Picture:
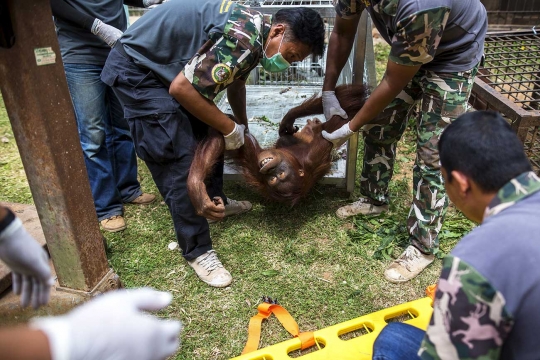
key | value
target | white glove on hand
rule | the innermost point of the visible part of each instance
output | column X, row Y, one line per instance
column 105, row 32
column 340, row 136
column 113, row 327
column 235, row 139
column 152, row 3
column 331, row 105
column 29, row 264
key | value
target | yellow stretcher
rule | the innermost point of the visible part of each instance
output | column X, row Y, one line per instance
column 332, row 344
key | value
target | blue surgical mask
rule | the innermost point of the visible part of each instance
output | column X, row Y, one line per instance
column 277, row 62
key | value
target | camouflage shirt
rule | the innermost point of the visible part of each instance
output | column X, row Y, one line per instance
column 442, row 35
column 212, row 42
column 232, row 54
column 486, row 301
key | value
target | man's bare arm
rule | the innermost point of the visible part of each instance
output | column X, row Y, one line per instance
column 339, row 45
column 394, row 81
column 236, row 94
column 200, row 107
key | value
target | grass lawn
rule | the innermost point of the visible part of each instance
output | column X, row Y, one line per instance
column 321, row 269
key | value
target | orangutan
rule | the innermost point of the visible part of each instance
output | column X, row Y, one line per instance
column 285, row 172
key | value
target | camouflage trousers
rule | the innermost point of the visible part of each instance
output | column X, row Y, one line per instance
column 442, row 97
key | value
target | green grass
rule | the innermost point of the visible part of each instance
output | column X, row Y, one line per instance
column 381, row 57
column 320, row 268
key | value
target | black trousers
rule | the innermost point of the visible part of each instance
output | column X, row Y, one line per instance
column 165, row 137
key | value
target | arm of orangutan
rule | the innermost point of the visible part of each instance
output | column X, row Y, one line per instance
column 200, row 107
column 206, row 155
column 236, row 94
column 351, row 97
column 309, row 107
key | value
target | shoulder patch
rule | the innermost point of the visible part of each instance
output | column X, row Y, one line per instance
column 221, row 73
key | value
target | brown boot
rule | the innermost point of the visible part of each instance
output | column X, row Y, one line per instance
column 143, row 199
column 114, row 223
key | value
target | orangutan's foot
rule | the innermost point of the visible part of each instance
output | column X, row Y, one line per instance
column 234, row 207
column 210, row 270
column 364, row 206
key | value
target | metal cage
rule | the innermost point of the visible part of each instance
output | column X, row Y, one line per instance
column 509, row 82
column 270, row 96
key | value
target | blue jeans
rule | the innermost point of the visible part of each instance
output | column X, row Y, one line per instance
column 106, row 142
column 398, row 341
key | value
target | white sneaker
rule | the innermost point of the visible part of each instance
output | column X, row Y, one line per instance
column 408, row 265
column 362, row 206
column 234, row 207
column 210, row 270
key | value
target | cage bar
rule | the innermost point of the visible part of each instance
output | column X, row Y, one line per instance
column 509, row 82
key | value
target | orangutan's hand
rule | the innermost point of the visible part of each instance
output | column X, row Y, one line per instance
column 211, row 209
column 286, row 127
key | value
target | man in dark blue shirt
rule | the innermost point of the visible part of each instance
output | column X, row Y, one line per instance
column 86, row 31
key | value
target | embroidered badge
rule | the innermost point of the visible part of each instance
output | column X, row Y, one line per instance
column 221, row 73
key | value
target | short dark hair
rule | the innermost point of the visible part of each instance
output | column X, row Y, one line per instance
column 483, row 146
column 306, row 24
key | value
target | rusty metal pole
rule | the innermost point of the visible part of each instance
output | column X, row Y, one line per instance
column 363, row 72
column 38, row 103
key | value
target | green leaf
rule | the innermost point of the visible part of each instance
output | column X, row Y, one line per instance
column 270, row 272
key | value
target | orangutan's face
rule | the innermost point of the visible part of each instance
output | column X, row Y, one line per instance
column 282, row 173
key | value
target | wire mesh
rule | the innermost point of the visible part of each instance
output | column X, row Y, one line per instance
column 309, row 72
column 512, row 68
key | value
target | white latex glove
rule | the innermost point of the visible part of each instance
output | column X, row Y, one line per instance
column 331, row 105
column 29, row 264
column 152, row 3
column 105, row 32
column 235, row 139
column 113, row 327
column 340, row 136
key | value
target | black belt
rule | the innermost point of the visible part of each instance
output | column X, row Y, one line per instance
column 120, row 48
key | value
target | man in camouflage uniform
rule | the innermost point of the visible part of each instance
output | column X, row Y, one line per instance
column 436, row 46
column 486, row 303
column 166, row 70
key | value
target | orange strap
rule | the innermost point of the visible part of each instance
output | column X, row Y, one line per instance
column 265, row 310
column 431, row 290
